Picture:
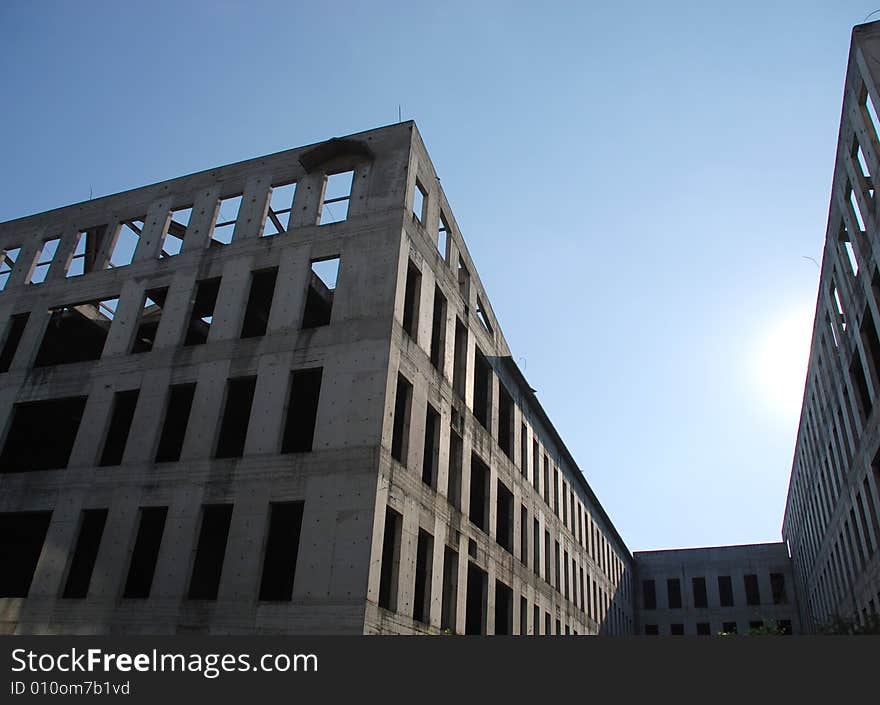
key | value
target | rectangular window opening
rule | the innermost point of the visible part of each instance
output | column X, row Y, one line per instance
column 411, row 298
column 76, row 267
column 482, row 389
column 302, row 410
column 700, row 595
column 202, row 314
column 177, row 409
column 464, row 281
column 505, row 421
column 282, row 549
column 41, row 434
column 149, row 319
column 14, row 331
column 390, row 571
column 725, row 591
column 145, row 553
column 424, row 570
column 503, row 609
column 124, row 404
column 443, row 237
column 479, row 493
column 477, row 599
column 524, row 535
column 420, row 202
column 400, row 428
column 204, row 583
column 236, row 416
column 459, row 365
column 280, row 208
column 431, row 456
column 456, row 460
column 126, row 242
column 172, row 240
column 319, row 297
column 483, row 317
column 224, row 226
column 673, row 593
column 450, row 590
column 504, row 517
column 259, row 304
column 44, row 260
column 649, row 595
column 76, row 333
column 7, row 264
column 337, row 197
column 438, row 331
column 21, row 542
column 85, row 553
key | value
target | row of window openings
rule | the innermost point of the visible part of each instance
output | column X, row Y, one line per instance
column 334, row 209
column 571, row 508
column 22, row 536
column 725, row 591
column 77, row 333
column 477, row 585
column 783, row 626
column 42, row 433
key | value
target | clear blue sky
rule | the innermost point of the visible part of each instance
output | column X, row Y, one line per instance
column 639, row 185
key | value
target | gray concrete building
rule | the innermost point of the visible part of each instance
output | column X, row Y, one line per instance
column 273, row 397
column 831, row 516
column 706, row 591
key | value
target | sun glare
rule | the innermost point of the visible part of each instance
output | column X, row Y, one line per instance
column 779, row 362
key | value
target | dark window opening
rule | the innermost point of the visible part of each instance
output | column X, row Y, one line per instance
column 180, row 399
column 476, row 600
column 524, row 535
column 464, row 281
column 41, row 434
column 76, row 333
column 259, row 304
column 85, row 553
column 503, row 608
column 725, row 591
column 145, row 553
column 729, row 627
column 224, row 225
column 202, row 314
column 483, row 318
column 673, row 593
column 523, row 615
column 442, row 236
column 438, row 331
column 337, row 198
column 504, row 518
column 479, row 498
column 21, row 542
column 783, row 626
column 753, row 595
column 777, row 586
column 124, row 404
column 703, row 629
column 431, row 457
column 456, row 461
column 424, row 571
column 548, row 629
column 482, row 389
column 280, row 207
column 459, row 366
column 505, row 422
column 400, row 428
column 547, row 567
column 524, row 451
column 557, row 568
column 14, row 331
column 411, row 301
column 323, row 277
column 210, row 552
column 863, row 396
column 282, row 548
column 302, row 410
column 388, row 577
column 676, row 629
column 652, row 630
column 236, row 415
column 536, row 547
column 699, row 588
column 450, row 589
column 649, row 595
column 148, row 323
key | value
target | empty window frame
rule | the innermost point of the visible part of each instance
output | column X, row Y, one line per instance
column 424, row 571
column 41, row 434
column 449, row 598
column 464, row 281
column 698, row 585
column 505, row 421
column 411, row 297
column 478, row 511
column 21, row 542
column 673, row 593
column 400, row 426
column 14, row 331
column 728, row 627
column 177, row 410
column 390, row 570
column 321, row 290
column 443, row 237
column 504, row 517
column 202, row 313
column 503, row 609
column 259, row 303
column 725, row 591
column 236, row 416
column 337, row 198
column 676, row 629
column 456, row 460
column 85, row 553
column 438, row 331
column 483, row 317
column 302, row 410
column 420, row 202
column 860, row 384
column 280, row 207
column 126, row 239
column 482, row 389
column 753, row 594
column 204, row 582
column 431, row 455
column 777, row 586
column 76, row 333
column 76, row 267
column 44, row 260
column 224, row 225
column 121, row 416
column 703, row 629
column 7, row 264
column 460, row 352
column 172, row 238
column 282, row 548
column 649, row 595
column 536, row 547
column 477, row 598
column 145, row 553
column 149, row 319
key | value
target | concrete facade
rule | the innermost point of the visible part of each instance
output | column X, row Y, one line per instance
column 273, row 397
column 706, row 591
column 831, row 515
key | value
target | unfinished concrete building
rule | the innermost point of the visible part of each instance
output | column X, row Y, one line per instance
column 723, row 589
column 274, row 397
column 831, row 515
